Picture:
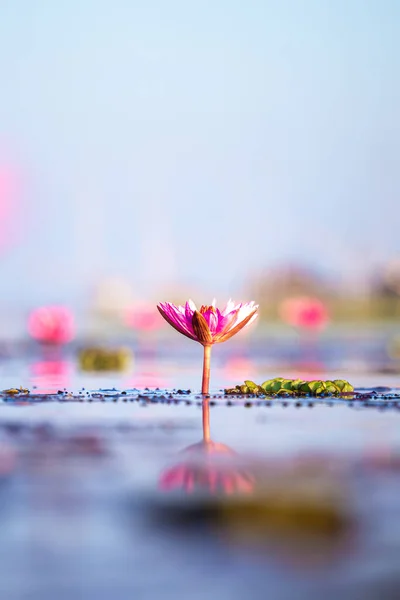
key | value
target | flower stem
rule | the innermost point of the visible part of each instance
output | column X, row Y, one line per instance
column 206, row 370
column 206, row 422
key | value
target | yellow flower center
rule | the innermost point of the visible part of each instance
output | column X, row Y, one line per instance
column 204, row 309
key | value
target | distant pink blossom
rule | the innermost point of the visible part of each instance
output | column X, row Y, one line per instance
column 305, row 312
column 52, row 324
column 209, row 325
column 9, row 197
column 142, row 317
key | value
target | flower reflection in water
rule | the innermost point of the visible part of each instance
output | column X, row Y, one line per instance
column 294, row 508
column 208, row 467
column 51, row 374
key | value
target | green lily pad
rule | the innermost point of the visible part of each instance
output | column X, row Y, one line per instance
column 343, row 386
column 285, row 392
column 305, row 388
column 331, row 387
column 293, row 387
column 286, row 384
column 296, row 384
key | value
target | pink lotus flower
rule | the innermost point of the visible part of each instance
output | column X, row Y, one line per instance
column 209, row 325
column 51, row 324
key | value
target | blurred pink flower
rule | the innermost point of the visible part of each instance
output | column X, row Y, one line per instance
column 209, row 325
column 52, row 324
column 142, row 317
column 305, row 312
column 9, row 197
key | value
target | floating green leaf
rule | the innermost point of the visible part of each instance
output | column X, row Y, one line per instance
column 286, row 384
column 280, row 386
column 251, row 385
column 296, row 384
column 331, row 387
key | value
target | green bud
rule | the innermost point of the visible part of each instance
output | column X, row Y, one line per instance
column 244, row 389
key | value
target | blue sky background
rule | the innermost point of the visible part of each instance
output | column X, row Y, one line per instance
column 190, row 142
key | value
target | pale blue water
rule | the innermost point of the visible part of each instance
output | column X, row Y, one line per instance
column 82, row 514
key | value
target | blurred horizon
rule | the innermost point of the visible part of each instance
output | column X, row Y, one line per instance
column 191, row 149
